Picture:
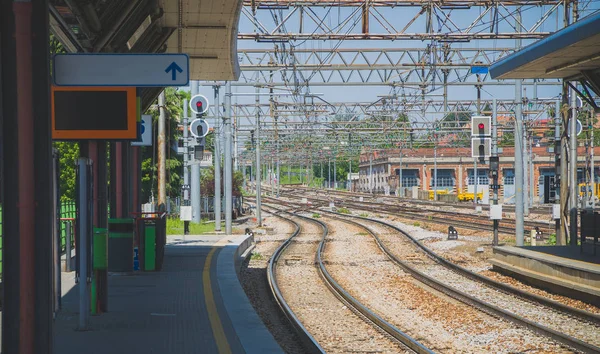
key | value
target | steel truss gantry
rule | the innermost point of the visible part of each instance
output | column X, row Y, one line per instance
column 422, row 20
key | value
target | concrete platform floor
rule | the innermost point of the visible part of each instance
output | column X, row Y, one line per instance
column 163, row 312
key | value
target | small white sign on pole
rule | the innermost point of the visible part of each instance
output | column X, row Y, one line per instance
column 185, row 213
column 146, row 131
column 496, row 212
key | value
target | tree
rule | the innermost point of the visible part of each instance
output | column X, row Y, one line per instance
column 68, row 153
column 174, row 110
column 207, row 182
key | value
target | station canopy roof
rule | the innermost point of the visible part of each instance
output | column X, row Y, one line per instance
column 208, row 35
column 562, row 55
column 206, row 30
column 572, row 54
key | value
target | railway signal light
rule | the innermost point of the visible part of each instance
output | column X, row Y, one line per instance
column 481, row 142
column 481, row 147
column 481, row 126
column 199, row 105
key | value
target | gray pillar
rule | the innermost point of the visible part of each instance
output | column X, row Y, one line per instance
column 371, row 173
column 496, row 172
column 228, row 159
column 435, row 170
column 217, row 159
column 519, row 180
column 350, row 174
column 400, row 191
column 162, row 151
column 557, row 168
column 334, row 174
column 573, row 170
column 82, row 247
column 592, row 203
column 195, row 191
column 258, row 215
column 531, row 174
column 195, row 174
column 526, row 201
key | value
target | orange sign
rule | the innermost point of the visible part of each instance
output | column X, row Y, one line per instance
column 90, row 113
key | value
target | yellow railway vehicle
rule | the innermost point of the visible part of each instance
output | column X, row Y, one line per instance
column 585, row 186
column 465, row 196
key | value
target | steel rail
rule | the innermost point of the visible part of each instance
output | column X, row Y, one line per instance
column 309, row 342
column 342, row 294
column 475, row 302
column 482, row 305
column 508, row 289
column 568, row 310
column 417, row 214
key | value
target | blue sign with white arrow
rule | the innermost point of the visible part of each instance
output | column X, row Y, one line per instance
column 121, row 69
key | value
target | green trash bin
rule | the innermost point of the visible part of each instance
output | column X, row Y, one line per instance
column 99, row 262
column 149, row 245
column 120, row 245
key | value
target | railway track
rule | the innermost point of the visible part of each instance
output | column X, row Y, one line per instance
column 540, row 209
column 467, row 221
column 516, row 300
column 360, row 310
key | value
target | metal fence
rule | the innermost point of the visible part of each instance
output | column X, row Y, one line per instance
column 207, row 205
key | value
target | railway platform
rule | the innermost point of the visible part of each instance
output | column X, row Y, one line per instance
column 560, row 269
column 195, row 304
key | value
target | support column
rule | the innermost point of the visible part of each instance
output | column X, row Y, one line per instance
column 195, row 190
column 557, row 169
column 26, row 178
column 258, row 179
column 162, row 174
column 228, row 160
column 217, row 159
column 519, row 177
column 573, row 183
column 101, row 205
column 118, row 162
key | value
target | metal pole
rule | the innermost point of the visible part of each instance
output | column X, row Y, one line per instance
column 195, row 174
column 162, row 173
column 228, row 160
column 258, row 216
column 435, row 169
column 531, row 173
column 321, row 163
column 350, row 175
column 401, row 191
column 82, row 247
column 519, row 216
column 217, row 146
column 475, row 174
column 526, row 200
column 573, row 183
column 592, row 173
column 186, row 172
column 68, row 242
column 329, row 177
column 278, row 176
column 334, row 174
column 495, row 175
column 371, row 173
column 557, row 163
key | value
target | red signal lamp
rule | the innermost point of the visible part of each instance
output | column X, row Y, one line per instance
column 199, row 105
column 481, row 126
